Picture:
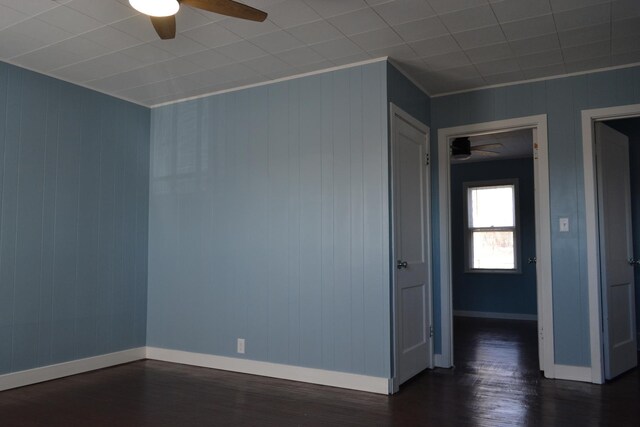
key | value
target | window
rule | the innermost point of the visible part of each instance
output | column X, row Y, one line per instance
column 492, row 226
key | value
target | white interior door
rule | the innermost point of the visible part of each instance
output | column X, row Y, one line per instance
column 411, row 246
column 616, row 250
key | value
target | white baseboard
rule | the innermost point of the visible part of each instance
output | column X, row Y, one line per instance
column 52, row 372
column 573, row 373
column 287, row 372
column 439, row 361
column 491, row 315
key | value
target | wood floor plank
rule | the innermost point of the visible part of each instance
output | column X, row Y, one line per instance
column 496, row 382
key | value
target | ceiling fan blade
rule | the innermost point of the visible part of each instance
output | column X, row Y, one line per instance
column 485, row 152
column 165, row 26
column 483, row 146
column 229, row 8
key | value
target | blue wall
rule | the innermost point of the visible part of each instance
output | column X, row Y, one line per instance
column 631, row 128
column 269, row 221
column 491, row 292
column 73, row 221
column 562, row 100
column 407, row 96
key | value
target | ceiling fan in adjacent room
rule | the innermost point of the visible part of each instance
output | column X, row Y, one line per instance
column 461, row 149
column 163, row 12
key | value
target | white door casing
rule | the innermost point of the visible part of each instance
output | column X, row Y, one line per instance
column 543, row 235
column 616, row 250
column 411, row 250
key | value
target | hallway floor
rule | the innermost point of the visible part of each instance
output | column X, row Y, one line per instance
column 495, row 383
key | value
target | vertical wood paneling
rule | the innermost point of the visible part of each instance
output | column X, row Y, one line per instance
column 296, row 209
column 66, row 257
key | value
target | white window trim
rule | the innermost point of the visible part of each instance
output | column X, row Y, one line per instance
column 516, row 228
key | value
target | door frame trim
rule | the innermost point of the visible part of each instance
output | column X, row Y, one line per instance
column 395, row 111
column 538, row 123
column 589, row 117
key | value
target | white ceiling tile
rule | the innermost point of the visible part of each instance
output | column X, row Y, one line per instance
column 468, row 19
column 30, row 7
column 301, row 56
column 111, row 38
column 61, row 54
column 328, row 8
column 176, row 67
column 517, row 10
column 241, row 51
column 315, row 32
column 534, row 45
column 446, row 6
column 276, row 42
column 70, row 20
column 624, row 45
column 625, row 58
column 623, row 9
column 291, row 13
column 401, row 11
column 105, row 11
column 14, row 42
column 480, row 37
column 318, row 66
column 41, row 31
column 490, row 53
column 498, row 67
column 377, row 39
column 583, row 17
column 236, row 72
column 625, row 28
column 421, row 29
column 528, row 28
column 399, row 52
column 352, row 59
column 550, row 70
column 435, row 46
column 448, row 60
column 266, row 64
column 337, row 48
column 211, row 35
column 587, row 51
column 138, row 26
column 97, row 68
column 247, row 29
column 563, row 5
column 585, row 35
column 460, row 73
column 180, row 46
column 496, row 79
column 588, row 64
column 541, row 59
column 376, row 2
column 188, row 18
column 147, row 53
column 10, row 17
column 360, row 21
column 207, row 78
column 209, row 58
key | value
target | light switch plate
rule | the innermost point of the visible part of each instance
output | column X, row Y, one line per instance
column 564, row 225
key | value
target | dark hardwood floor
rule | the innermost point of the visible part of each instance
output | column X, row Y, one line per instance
column 495, row 383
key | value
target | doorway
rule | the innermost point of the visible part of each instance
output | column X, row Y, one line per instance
column 493, row 263
column 601, row 294
column 537, row 126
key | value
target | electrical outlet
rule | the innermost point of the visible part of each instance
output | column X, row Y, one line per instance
column 241, row 345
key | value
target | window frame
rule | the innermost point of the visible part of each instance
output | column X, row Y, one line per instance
column 468, row 231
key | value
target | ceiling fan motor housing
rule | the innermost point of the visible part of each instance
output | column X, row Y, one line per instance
column 461, row 148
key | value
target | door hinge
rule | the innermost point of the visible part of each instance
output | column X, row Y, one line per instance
column 427, row 159
column 430, row 331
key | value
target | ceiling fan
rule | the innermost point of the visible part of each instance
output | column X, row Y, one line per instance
column 163, row 12
column 461, row 148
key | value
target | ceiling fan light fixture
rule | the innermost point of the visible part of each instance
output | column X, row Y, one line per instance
column 156, row 7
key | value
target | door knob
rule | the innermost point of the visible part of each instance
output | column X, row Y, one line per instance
column 532, row 260
column 402, row 264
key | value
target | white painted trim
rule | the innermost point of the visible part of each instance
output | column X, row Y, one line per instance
column 591, row 214
column 573, row 373
column 402, row 71
column 543, row 250
column 540, row 79
column 269, row 82
column 274, row 370
column 442, row 362
column 495, row 315
column 395, row 111
column 60, row 370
